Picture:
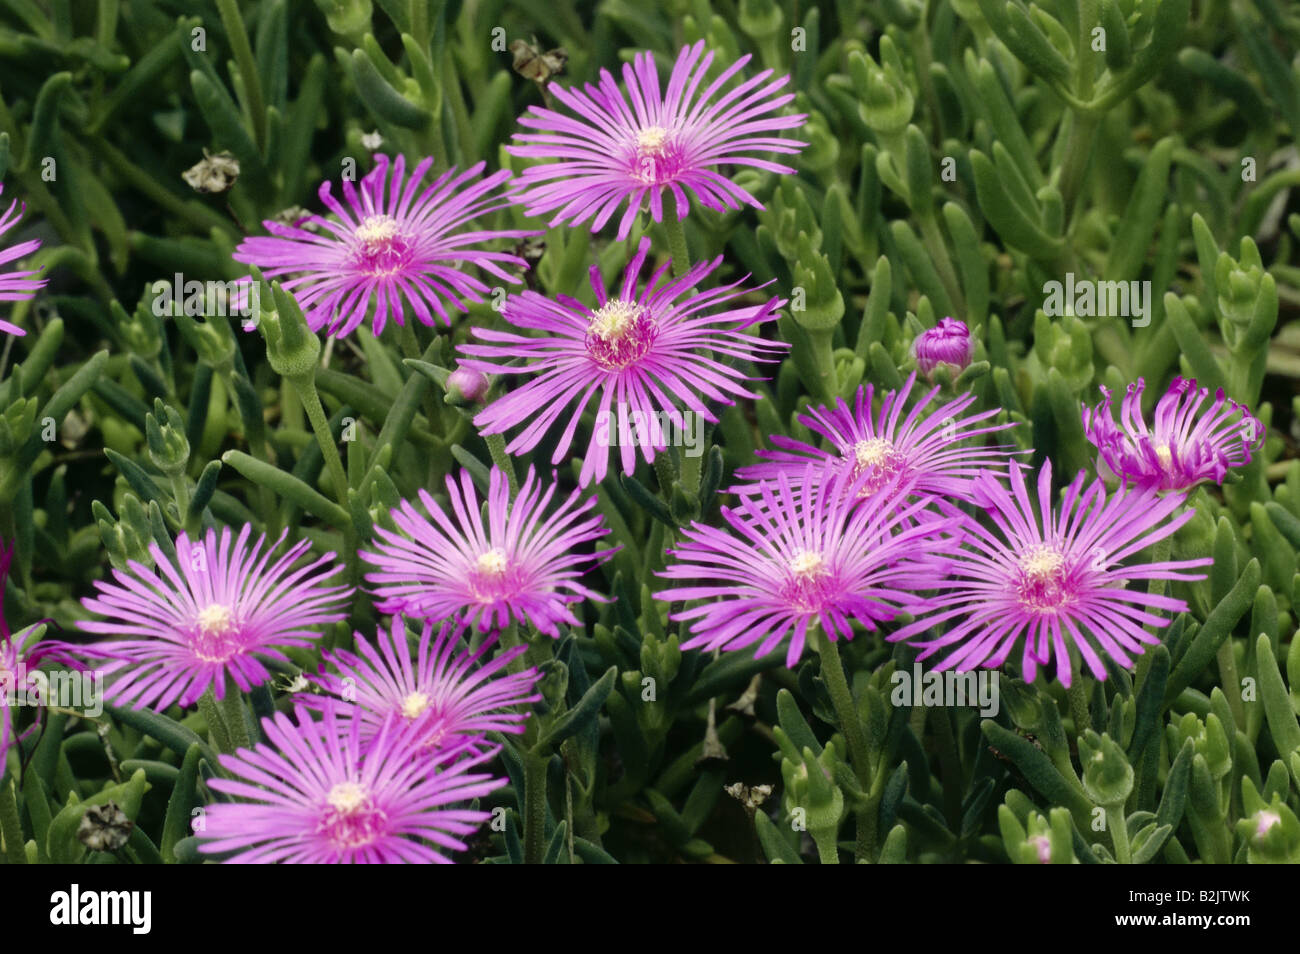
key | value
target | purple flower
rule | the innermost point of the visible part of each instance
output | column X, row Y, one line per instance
column 1185, row 445
column 948, row 343
column 391, row 249
column 629, row 146
column 457, row 696
column 1055, row 580
column 917, row 454
column 790, row 560
column 186, row 626
column 638, row 356
column 316, row 795
column 521, row 567
column 15, row 286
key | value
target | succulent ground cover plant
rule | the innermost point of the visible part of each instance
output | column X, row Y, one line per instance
column 592, row 432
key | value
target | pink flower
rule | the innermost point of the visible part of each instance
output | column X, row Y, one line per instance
column 638, row 356
column 459, row 695
column 1054, row 579
column 391, row 249
column 312, row 794
column 15, row 286
column 789, row 560
column 922, row 453
column 634, row 144
column 522, row 566
column 188, row 625
column 949, row 342
column 1184, row 446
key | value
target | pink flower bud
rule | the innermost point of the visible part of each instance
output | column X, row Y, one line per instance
column 949, row 343
column 467, row 387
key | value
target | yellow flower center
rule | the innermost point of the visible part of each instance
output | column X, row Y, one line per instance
column 806, row 563
column 1041, row 563
column 216, row 620
column 650, row 141
column 377, row 232
column 1165, row 454
column 415, row 704
column 873, row 452
column 492, row 563
column 613, row 320
column 346, row 797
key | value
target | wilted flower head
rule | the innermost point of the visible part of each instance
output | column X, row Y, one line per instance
column 521, row 567
column 15, row 286
column 1054, row 579
column 185, row 626
column 791, row 560
column 313, row 794
column 1185, row 444
column 649, row 355
column 635, row 144
column 394, row 248
column 949, row 342
column 459, row 695
column 920, row 453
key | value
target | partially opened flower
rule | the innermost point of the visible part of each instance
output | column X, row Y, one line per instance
column 313, row 794
column 633, row 145
column 523, row 566
column 788, row 561
column 947, row 343
column 215, row 613
column 1186, row 444
column 15, row 286
column 921, row 451
column 1048, row 580
column 643, row 357
column 458, row 694
column 393, row 250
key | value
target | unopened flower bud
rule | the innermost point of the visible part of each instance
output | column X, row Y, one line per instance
column 465, row 386
column 948, row 343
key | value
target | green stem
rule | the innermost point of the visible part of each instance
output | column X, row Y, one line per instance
column 677, row 246
column 535, row 765
column 1118, row 833
column 10, row 825
column 232, row 713
column 505, row 463
column 1079, row 709
column 850, row 724
column 234, row 24
column 211, row 713
column 305, row 386
column 827, row 847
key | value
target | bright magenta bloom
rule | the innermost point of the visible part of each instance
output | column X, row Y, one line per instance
column 641, row 357
column 790, row 560
column 16, row 285
column 633, row 145
column 392, row 249
column 922, row 453
column 1184, row 446
column 184, row 626
column 1055, row 579
column 521, row 567
column 459, row 695
column 314, row 795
